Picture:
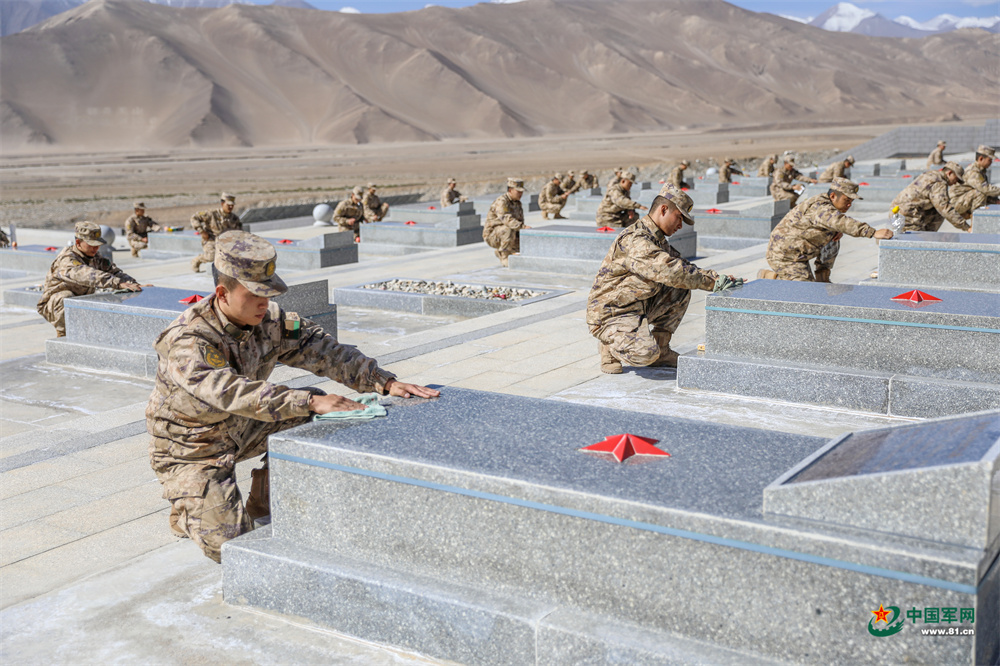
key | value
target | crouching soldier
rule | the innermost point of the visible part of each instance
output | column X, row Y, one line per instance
column 137, row 228
column 504, row 222
column 926, row 203
column 213, row 406
column 78, row 271
column 812, row 230
column 617, row 208
column 643, row 288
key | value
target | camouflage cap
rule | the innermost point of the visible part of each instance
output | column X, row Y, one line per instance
column 730, row 160
column 372, row 186
column 584, row 173
column 139, row 205
column 845, row 187
column 773, row 158
column 515, row 183
column 789, row 159
column 358, row 190
column 679, row 198
column 849, row 158
column 228, row 198
column 685, row 163
column 89, row 233
column 558, row 176
column 628, row 175
column 571, row 173
column 942, row 142
column 251, row 260
column 988, row 151
column 452, row 181
column 956, row 169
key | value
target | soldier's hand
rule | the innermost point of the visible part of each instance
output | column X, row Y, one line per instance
column 883, row 234
column 322, row 404
column 967, row 216
column 641, row 207
column 132, row 286
column 401, row 390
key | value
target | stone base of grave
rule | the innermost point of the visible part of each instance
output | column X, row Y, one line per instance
column 23, row 297
column 940, row 260
column 28, row 259
column 498, row 541
column 430, row 304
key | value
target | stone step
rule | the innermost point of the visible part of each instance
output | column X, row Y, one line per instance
column 419, row 235
column 942, row 260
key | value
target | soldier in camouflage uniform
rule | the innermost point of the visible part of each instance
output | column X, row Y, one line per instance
column 977, row 190
column 137, row 228
column 782, row 186
column 349, row 213
column 374, row 209
column 616, row 208
column 727, row 170
column 767, row 166
column 570, row 184
column 615, row 178
column 211, row 224
column 676, row 177
column 213, row 406
column 78, row 271
column 4, row 239
column 587, row 181
column 836, row 170
column 643, row 288
column 449, row 195
column 925, row 203
column 505, row 220
column 936, row 158
column 553, row 198
column 808, row 231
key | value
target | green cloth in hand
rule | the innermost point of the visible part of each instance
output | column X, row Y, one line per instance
column 371, row 410
column 724, row 282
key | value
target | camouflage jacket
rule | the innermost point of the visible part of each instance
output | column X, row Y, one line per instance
column 588, row 182
column 347, row 209
column 726, row 173
column 449, row 197
column 835, row 170
column 214, row 223
column 137, row 227
column 371, row 201
column 805, row 229
column 977, row 179
column 504, row 211
column 638, row 264
column 551, row 194
column 211, row 381
column 676, row 177
column 766, row 169
column 614, row 203
column 4, row 239
column 782, row 180
column 74, row 271
column 929, row 191
column 570, row 185
column 936, row 158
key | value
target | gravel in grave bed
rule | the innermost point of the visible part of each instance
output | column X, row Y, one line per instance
column 496, row 293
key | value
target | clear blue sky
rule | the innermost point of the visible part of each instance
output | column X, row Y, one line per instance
column 920, row 10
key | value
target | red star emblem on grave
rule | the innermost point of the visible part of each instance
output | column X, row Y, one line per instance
column 881, row 615
column 627, row 445
column 915, row 297
column 190, row 300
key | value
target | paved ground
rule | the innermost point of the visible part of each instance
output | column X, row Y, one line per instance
column 89, row 571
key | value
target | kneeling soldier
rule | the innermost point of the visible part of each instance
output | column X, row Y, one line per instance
column 553, row 198
column 137, row 228
column 350, row 213
column 375, row 210
column 504, row 222
column 211, row 224
column 812, row 230
column 643, row 288
column 617, row 208
column 926, row 203
column 212, row 405
column 78, row 271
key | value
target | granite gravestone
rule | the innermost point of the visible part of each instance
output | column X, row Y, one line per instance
column 945, row 260
column 851, row 347
column 433, row 304
column 29, row 258
column 413, row 229
column 499, row 541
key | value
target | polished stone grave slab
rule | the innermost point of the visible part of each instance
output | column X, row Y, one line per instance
column 278, row 224
column 850, row 347
column 24, row 297
column 473, row 528
column 431, row 304
column 29, row 258
column 428, row 229
column 576, row 250
column 706, row 194
column 986, row 220
column 946, row 260
column 461, row 215
column 332, row 249
column 183, row 242
column 116, row 332
column 739, row 225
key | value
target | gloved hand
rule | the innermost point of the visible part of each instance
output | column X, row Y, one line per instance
column 727, row 282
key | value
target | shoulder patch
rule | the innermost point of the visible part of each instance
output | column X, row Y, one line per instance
column 214, row 357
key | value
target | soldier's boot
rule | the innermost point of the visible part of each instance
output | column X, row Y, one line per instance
column 765, row 274
column 668, row 357
column 174, row 517
column 609, row 364
column 259, row 499
column 502, row 256
column 823, row 275
column 196, row 264
column 135, row 252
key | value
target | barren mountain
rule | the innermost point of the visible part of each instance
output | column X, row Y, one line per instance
column 130, row 74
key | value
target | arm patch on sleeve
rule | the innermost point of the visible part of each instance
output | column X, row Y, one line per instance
column 214, row 357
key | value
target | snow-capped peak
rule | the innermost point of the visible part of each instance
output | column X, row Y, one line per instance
column 797, row 19
column 842, row 17
column 946, row 22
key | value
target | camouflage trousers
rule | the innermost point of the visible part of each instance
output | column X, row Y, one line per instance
column 630, row 334
column 503, row 239
column 780, row 195
column 53, row 310
column 619, row 220
column 206, row 504
column 966, row 199
column 552, row 209
column 137, row 243
column 356, row 228
column 921, row 219
column 376, row 215
column 207, row 255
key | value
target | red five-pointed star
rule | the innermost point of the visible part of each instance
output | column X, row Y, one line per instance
column 881, row 614
column 626, row 446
